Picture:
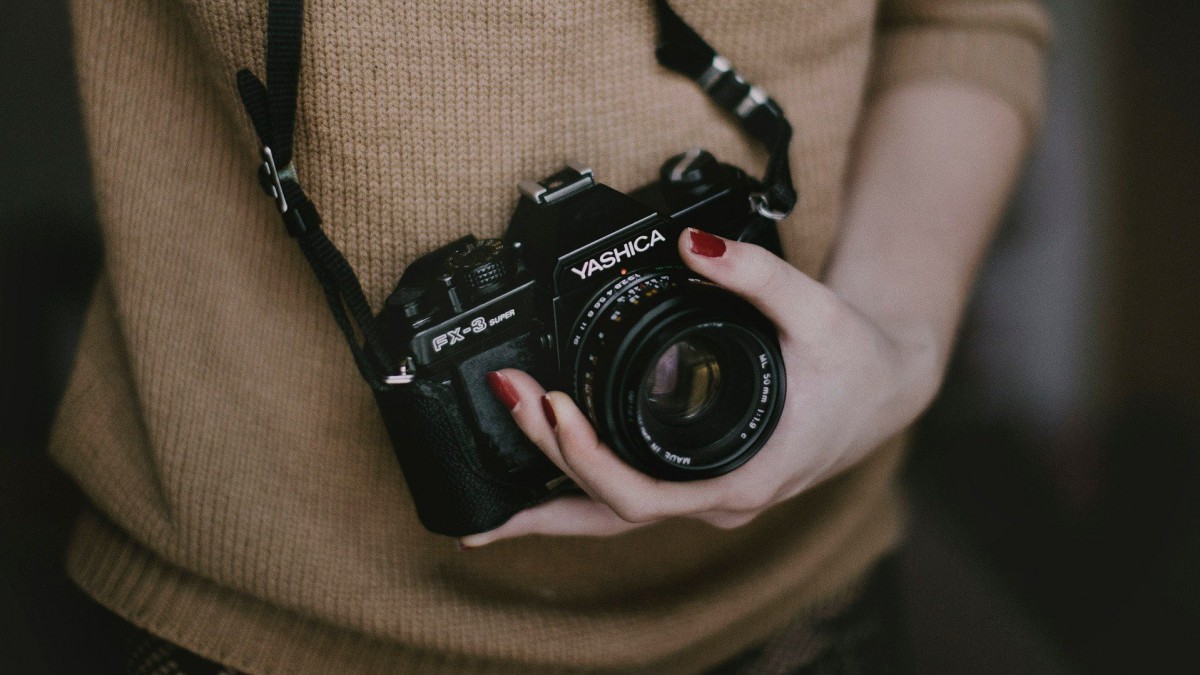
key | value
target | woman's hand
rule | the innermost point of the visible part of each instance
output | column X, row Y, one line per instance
column 933, row 166
column 851, row 384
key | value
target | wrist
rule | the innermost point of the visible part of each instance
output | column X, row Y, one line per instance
column 918, row 351
column 921, row 355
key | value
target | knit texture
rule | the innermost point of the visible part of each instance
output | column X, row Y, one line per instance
column 245, row 500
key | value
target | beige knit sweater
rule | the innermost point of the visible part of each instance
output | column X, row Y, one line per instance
column 245, row 501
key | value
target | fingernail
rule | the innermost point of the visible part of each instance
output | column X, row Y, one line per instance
column 549, row 410
column 503, row 389
column 706, row 244
column 458, row 543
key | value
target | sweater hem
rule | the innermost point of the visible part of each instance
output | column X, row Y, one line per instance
column 242, row 632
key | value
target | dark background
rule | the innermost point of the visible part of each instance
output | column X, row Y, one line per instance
column 1055, row 483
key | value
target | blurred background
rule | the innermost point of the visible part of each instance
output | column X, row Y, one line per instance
column 1055, row 482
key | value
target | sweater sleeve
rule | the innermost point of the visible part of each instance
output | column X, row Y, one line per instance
column 995, row 44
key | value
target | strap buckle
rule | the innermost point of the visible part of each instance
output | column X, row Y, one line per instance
column 272, row 178
column 299, row 217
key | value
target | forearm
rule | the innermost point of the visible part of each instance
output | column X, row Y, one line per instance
column 932, row 171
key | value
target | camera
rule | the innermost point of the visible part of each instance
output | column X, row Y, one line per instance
column 587, row 293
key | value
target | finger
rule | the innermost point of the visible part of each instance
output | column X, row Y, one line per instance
column 796, row 303
column 523, row 394
column 564, row 516
column 633, row 495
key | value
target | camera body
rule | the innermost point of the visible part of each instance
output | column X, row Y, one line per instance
column 585, row 291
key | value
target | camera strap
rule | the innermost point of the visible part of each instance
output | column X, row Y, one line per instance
column 681, row 49
column 272, row 110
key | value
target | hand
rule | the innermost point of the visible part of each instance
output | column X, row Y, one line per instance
column 851, row 383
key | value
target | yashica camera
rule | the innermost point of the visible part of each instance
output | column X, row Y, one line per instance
column 586, row 292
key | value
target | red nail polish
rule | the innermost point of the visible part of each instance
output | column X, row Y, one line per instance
column 706, row 244
column 503, row 390
column 549, row 410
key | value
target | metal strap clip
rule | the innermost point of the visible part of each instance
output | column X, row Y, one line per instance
column 758, row 204
column 755, row 97
column 272, row 178
column 716, row 70
column 730, row 90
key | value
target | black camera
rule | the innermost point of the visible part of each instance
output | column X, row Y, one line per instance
column 587, row 293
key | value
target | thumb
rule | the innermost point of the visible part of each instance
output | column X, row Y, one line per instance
column 792, row 300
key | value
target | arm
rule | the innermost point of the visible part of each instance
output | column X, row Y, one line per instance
column 933, row 169
column 938, row 149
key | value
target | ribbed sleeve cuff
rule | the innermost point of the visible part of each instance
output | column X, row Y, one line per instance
column 1009, row 64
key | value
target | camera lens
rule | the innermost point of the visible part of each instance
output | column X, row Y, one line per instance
column 681, row 378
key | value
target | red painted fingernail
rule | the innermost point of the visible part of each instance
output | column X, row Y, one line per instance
column 503, row 389
column 706, row 244
column 463, row 547
column 549, row 410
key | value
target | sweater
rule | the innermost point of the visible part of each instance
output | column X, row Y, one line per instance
column 243, row 499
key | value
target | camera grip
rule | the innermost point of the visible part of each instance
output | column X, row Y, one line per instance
column 436, row 447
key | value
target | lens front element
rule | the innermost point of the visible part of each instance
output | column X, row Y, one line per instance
column 683, row 383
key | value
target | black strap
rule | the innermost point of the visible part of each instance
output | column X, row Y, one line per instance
column 680, row 48
column 272, row 110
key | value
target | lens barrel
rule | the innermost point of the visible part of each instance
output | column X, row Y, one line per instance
column 683, row 379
